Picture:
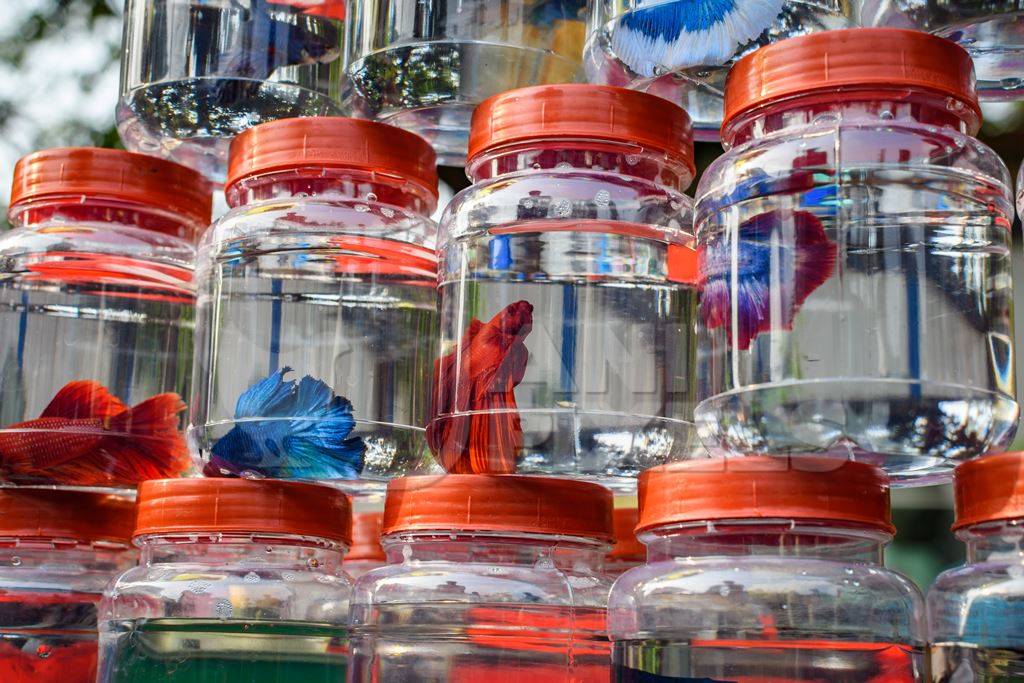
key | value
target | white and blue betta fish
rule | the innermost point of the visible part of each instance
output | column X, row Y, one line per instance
column 659, row 36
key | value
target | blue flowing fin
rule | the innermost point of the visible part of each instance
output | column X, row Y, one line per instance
column 309, row 459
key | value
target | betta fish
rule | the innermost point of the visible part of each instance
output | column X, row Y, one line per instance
column 657, row 36
column 803, row 264
column 476, row 426
column 290, row 430
column 87, row 437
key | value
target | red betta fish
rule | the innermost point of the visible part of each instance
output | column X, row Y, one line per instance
column 476, row 427
column 87, row 437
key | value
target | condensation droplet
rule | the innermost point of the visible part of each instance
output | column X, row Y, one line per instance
column 223, row 609
column 602, row 198
column 251, row 577
column 16, row 560
column 886, row 115
column 362, row 208
column 563, row 165
column 561, row 208
column 371, row 197
column 632, row 159
column 388, row 212
column 288, row 576
column 527, row 203
column 197, row 586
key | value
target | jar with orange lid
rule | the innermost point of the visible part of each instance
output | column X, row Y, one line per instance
column 96, row 317
column 628, row 551
column 366, row 552
column 488, row 577
column 58, row 549
column 567, row 289
column 855, row 259
column 238, row 581
column 317, row 306
column 976, row 611
column 766, row 569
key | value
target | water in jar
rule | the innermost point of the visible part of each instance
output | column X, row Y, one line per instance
column 175, row 650
column 197, row 72
column 659, row 47
column 424, row 66
column 952, row 662
column 873, row 317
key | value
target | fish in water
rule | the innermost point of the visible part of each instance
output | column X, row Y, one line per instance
column 86, row 436
column 290, row 430
column 791, row 244
column 476, row 426
column 657, row 36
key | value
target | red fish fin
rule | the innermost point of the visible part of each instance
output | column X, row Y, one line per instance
column 32, row 449
column 84, row 399
column 156, row 415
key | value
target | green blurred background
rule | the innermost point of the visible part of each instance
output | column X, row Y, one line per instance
column 59, row 83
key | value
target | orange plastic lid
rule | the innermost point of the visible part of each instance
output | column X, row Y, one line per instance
column 989, row 489
column 807, row 488
column 627, row 545
column 112, row 174
column 499, row 502
column 886, row 58
column 54, row 513
column 366, row 538
column 172, row 506
column 576, row 110
column 333, row 142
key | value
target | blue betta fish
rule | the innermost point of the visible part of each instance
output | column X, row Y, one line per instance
column 659, row 36
column 290, row 430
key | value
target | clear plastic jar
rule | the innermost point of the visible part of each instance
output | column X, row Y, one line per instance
column 567, row 288
column 766, row 569
column 976, row 611
column 489, row 577
column 96, row 317
column 423, row 65
column 855, row 259
column 58, row 549
column 239, row 581
column 366, row 552
column 317, row 305
column 628, row 551
column 194, row 73
column 669, row 48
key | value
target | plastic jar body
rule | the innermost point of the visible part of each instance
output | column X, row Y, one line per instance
column 580, row 250
column 194, row 73
column 766, row 599
column 97, row 305
column 233, row 606
column 424, row 66
column 327, row 274
column 462, row 606
column 850, row 249
column 682, row 63
column 976, row 611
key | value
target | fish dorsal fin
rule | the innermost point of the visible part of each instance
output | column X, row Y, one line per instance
column 266, row 397
column 84, row 399
column 475, row 326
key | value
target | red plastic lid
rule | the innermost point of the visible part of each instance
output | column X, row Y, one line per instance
column 54, row 513
column 807, row 488
column 366, row 538
column 576, row 110
column 333, row 142
column 112, row 174
column 989, row 489
column 499, row 502
column 831, row 61
column 627, row 545
column 172, row 506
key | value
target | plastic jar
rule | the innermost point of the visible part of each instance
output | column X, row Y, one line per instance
column 567, row 289
column 239, row 581
column 96, row 317
column 366, row 552
column 489, row 577
column 628, row 551
column 855, row 259
column 766, row 569
column 682, row 52
column 976, row 611
column 423, row 65
column 58, row 549
column 317, row 311
column 194, row 73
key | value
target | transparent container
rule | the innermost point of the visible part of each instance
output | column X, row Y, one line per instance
column 628, row 551
column 976, row 611
column 366, row 552
column 317, row 306
column 58, row 549
column 855, row 267
column 489, row 578
column 195, row 73
column 240, row 581
column 96, row 318
column 568, row 290
column 766, row 569
column 682, row 51
column 423, row 65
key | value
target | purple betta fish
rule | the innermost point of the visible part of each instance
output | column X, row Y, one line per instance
column 804, row 261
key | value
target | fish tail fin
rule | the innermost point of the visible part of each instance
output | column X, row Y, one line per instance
column 323, row 447
column 147, row 443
